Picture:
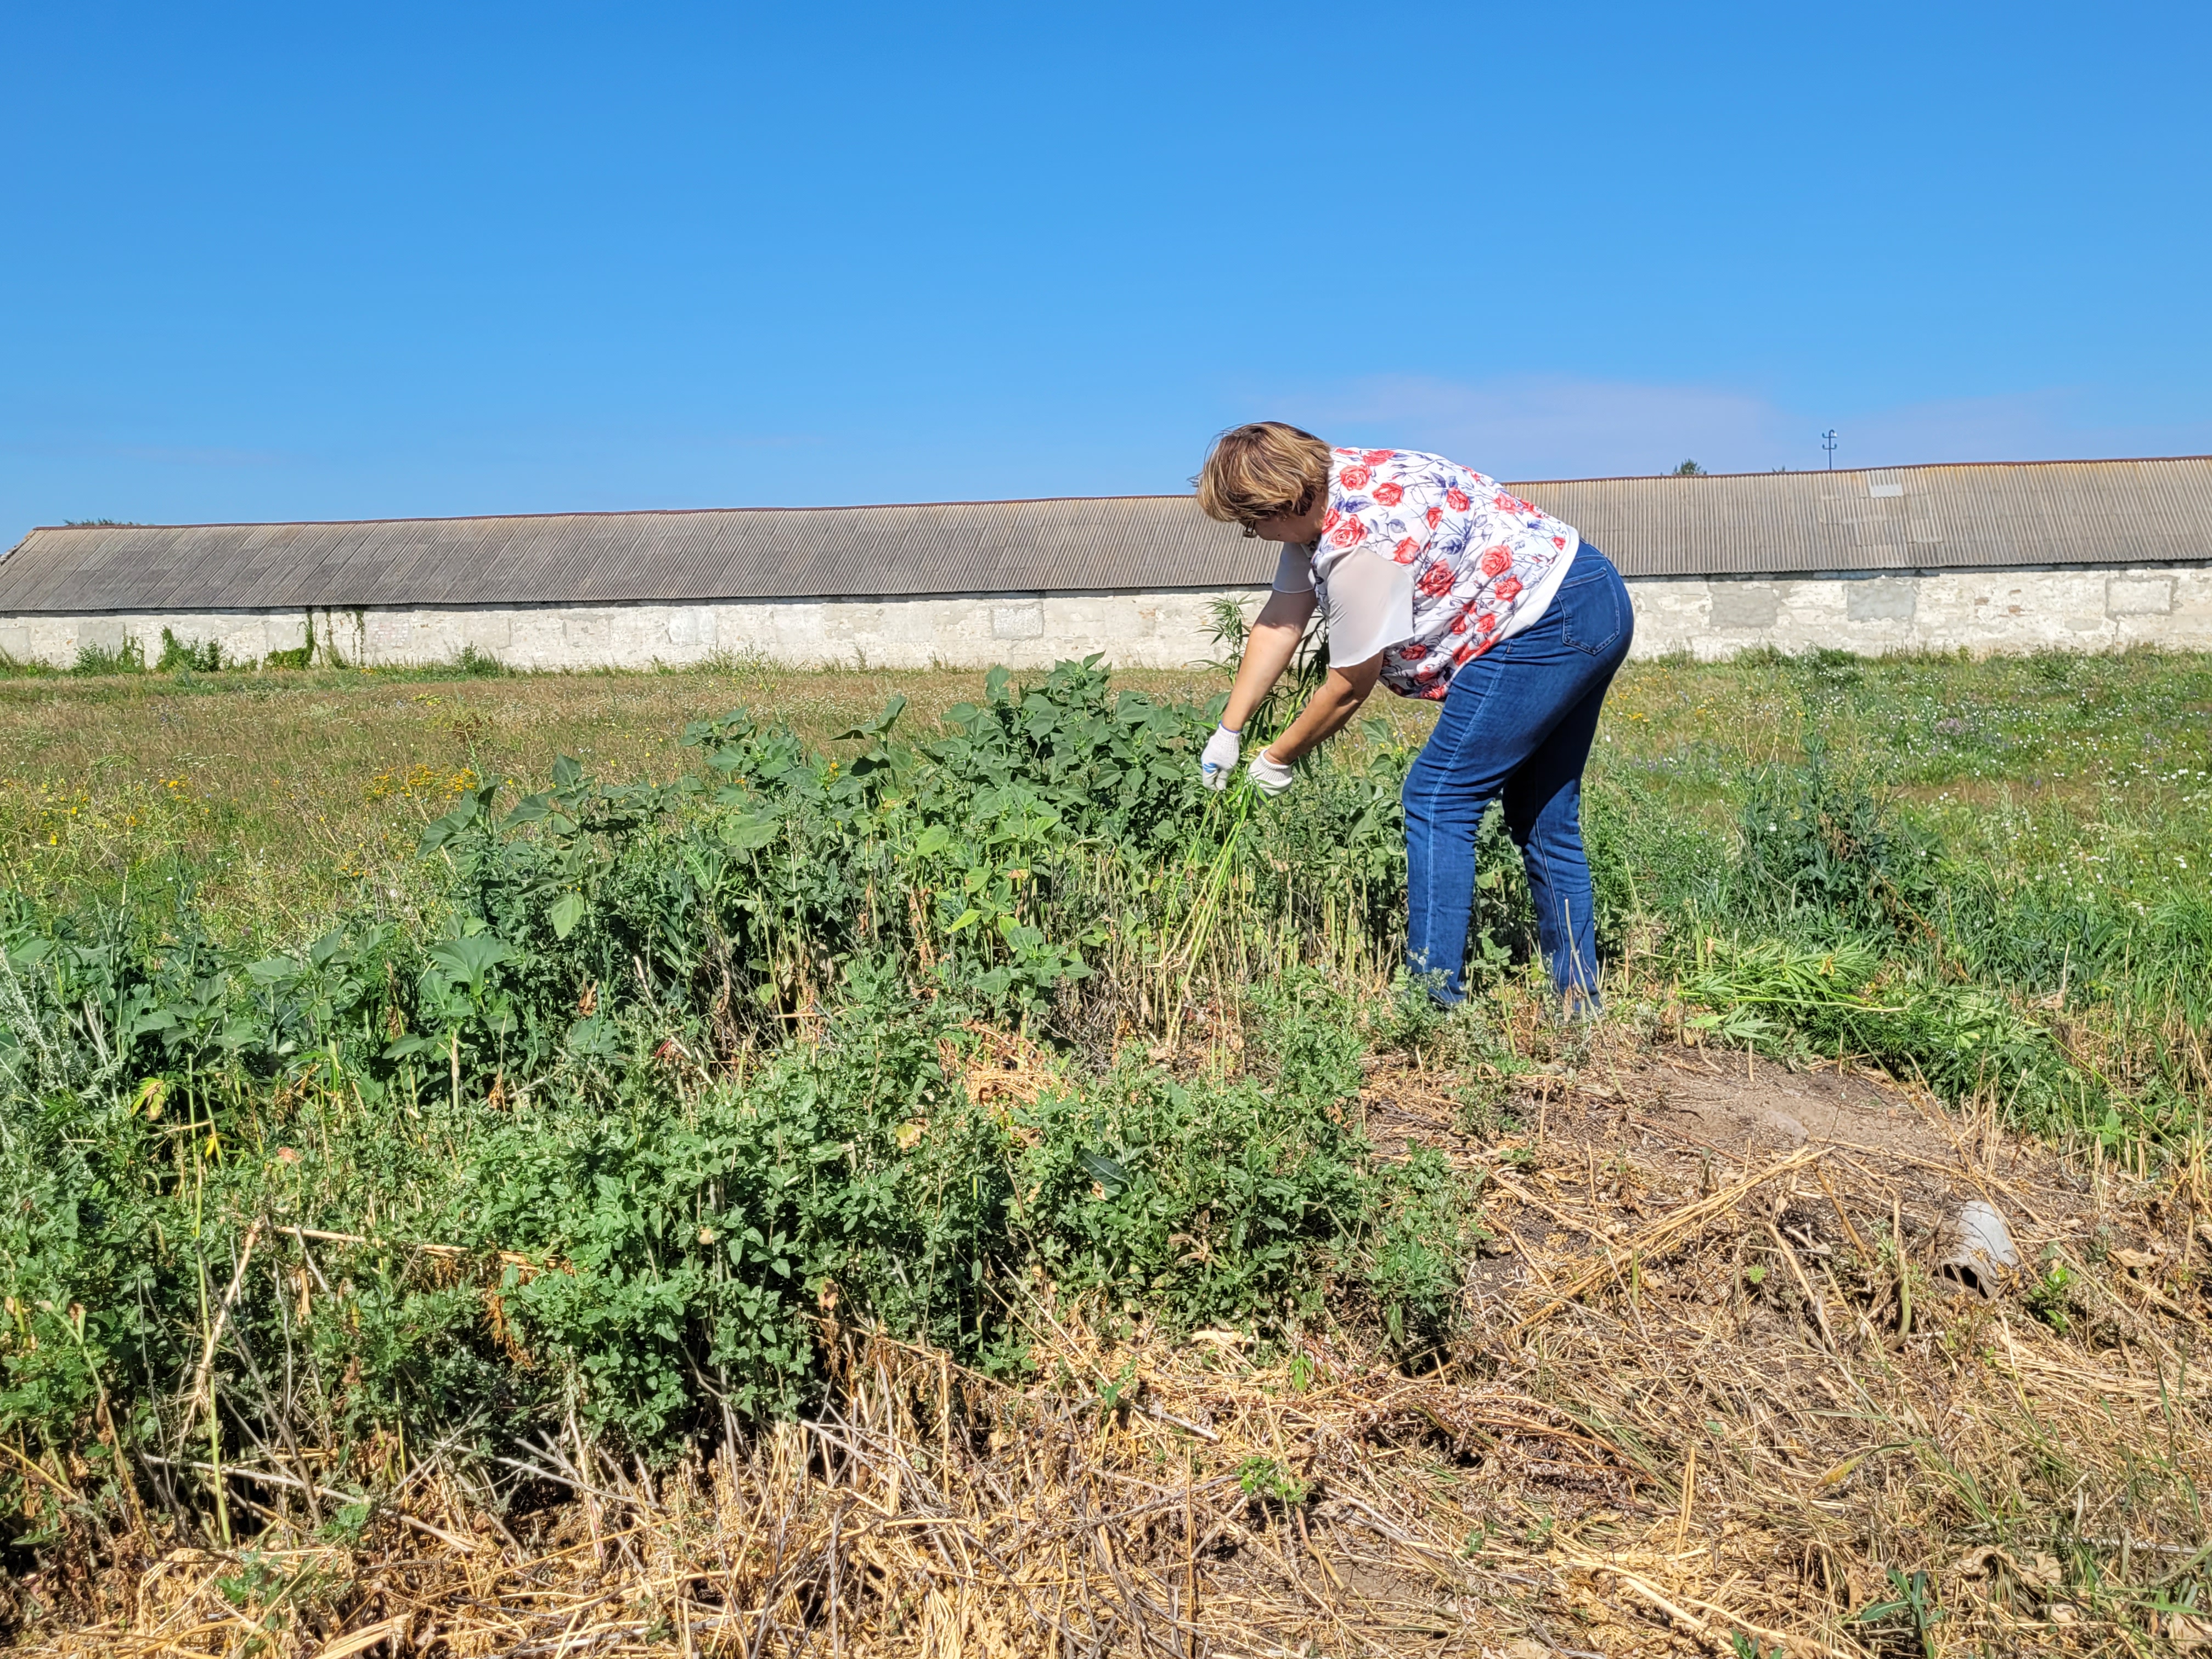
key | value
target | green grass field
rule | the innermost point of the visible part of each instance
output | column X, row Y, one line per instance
column 280, row 791
column 2050, row 809
column 569, row 1046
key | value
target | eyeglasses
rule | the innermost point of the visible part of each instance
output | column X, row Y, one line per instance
column 1251, row 525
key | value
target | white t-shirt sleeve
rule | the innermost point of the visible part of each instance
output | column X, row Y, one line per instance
column 1371, row 606
column 1294, row 570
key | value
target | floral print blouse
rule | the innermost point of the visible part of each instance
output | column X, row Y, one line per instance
column 1428, row 562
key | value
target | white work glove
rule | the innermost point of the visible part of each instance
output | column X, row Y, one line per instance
column 1271, row 779
column 1218, row 758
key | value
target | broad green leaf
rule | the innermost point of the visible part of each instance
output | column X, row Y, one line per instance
column 882, row 723
column 1109, row 1173
column 472, row 957
column 438, row 831
column 748, row 831
column 595, row 1035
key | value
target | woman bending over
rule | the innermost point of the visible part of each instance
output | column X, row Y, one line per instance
column 1439, row 584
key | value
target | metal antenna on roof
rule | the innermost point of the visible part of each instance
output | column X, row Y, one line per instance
column 1828, row 443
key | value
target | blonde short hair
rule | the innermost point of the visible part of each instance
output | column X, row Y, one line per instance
column 1264, row 470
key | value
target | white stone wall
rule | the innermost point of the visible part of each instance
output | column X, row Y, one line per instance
column 1978, row 610
column 1137, row 630
column 1711, row 617
column 244, row 636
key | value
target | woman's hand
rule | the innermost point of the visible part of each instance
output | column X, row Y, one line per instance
column 1269, row 777
column 1218, row 758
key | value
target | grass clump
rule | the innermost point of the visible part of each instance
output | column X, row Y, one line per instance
column 1820, row 848
column 188, row 656
column 95, row 662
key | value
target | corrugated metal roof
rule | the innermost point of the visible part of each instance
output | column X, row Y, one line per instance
column 2061, row 513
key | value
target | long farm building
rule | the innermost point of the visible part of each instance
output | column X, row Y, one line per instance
column 1984, row 558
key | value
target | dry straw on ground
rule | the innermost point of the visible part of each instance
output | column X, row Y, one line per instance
column 1715, row 1393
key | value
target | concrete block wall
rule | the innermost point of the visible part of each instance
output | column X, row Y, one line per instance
column 244, row 636
column 1139, row 630
column 1981, row 610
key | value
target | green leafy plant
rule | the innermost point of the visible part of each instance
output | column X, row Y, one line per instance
column 300, row 656
column 128, row 658
column 1215, row 1202
column 1816, row 841
column 1265, row 1477
column 187, row 656
column 2051, row 1298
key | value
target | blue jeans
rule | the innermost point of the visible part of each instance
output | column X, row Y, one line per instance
column 1517, row 722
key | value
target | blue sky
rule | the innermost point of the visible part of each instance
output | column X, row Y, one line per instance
column 337, row 262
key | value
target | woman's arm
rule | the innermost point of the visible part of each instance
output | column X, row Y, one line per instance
column 1326, row 712
column 1371, row 609
column 1269, row 650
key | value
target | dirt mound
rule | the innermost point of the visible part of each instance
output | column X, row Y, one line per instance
column 1759, row 1287
column 1659, row 1125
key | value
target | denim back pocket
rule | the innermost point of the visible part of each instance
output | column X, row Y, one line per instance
column 1592, row 622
